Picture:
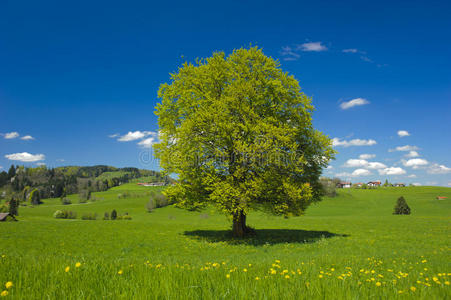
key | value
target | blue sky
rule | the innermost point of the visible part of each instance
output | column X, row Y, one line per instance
column 73, row 75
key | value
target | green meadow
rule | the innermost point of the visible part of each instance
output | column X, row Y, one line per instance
column 346, row 247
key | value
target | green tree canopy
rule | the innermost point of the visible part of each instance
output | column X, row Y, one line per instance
column 238, row 132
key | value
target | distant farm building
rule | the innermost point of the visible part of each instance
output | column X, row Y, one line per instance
column 374, row 183
column 358, row 184
column 7, row 217
column 344, row 185
column 399, row 185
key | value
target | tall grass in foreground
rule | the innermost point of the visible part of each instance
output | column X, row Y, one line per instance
column 348, row 247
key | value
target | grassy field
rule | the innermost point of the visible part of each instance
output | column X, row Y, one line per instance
column 347, row 247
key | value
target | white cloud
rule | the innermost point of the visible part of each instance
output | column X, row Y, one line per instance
column 412, row 154
column 27, row 138
column 416, row 184
column 404, row 148
column 313, row 46
column 329, row 167
column 412, row 176
column 354, row 102
column 1, row 167
column 403, row 133
column 355, row 173
column 376, row 165
column 131, row 136
column 343, row 174
column 289, row 54
column 438, row 169
column 360, row 172
column 354, row 142
column 415, row 163
column 11, row 135
column 135, row 135
column 40, row 164
column 113, row 135
column 25, row 157
column 146, row 143
column 367, row 156
column 392, row 171
column 351, row 50
column 355, row 163
column 449, row 183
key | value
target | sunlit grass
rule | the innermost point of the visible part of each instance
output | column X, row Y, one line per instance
column 346, row 247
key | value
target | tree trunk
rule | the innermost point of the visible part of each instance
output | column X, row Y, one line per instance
column 239, row 227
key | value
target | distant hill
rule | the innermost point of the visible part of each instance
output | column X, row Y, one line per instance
column 61, row 181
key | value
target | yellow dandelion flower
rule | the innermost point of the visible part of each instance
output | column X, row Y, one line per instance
column 277, row 261
column 413, row 289
column 78, row 265
column 287, row 276
column 273, row 271
column 339, row 277
column 227, row 275
column 320, row 276
column 447, row 282
column 120, row 272
column 378, row 283
column 67, row 269
column 400, row 292
column 250, row 265
column 424, row 261
column 4, row 293
column 434, row 278
column 332, row 269
column 9, row 285
column 244, row 270
column 257, row 278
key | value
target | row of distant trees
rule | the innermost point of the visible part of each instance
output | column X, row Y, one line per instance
column 32, row 184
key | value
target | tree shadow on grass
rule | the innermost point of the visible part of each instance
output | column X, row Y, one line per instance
column 263, row 236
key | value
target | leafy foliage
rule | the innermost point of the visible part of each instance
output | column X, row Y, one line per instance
column 89, row 216
column 35, row 197
column 64, row 214
column 238, row 132
column 14, row 207
column 401, row 207
column 65, row 201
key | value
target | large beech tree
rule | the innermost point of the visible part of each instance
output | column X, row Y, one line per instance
column 238, row 132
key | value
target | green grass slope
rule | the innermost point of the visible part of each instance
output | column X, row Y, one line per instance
column 350, row 246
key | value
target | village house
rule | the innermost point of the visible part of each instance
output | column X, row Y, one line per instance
column 399, row 185
column 374, row 183
column 7, row 217
column 344, row 185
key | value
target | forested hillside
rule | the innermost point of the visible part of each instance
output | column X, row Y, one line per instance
column 23, row 182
